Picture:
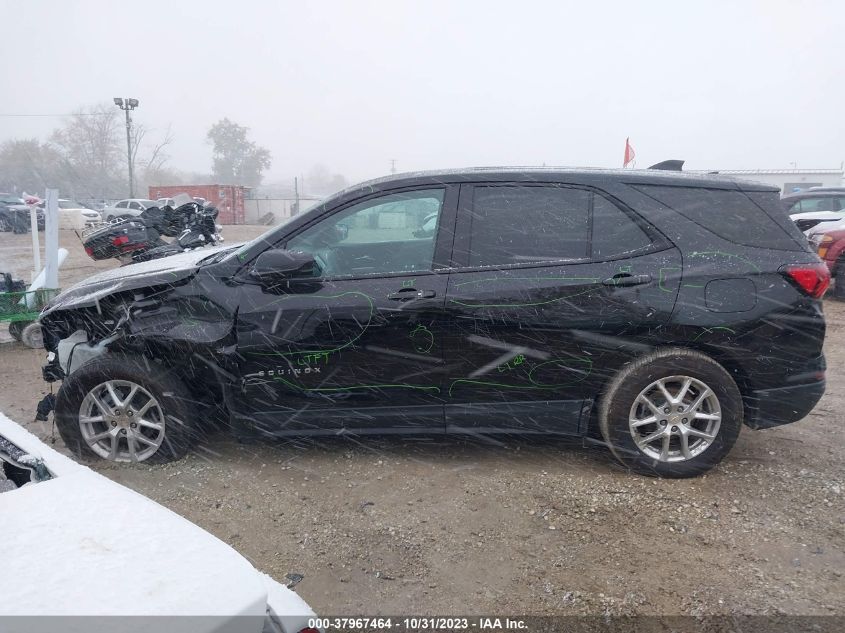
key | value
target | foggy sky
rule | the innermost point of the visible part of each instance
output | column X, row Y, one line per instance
column 727, row 85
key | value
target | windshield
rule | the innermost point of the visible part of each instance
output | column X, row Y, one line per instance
column 268, row 238
column 10, row 200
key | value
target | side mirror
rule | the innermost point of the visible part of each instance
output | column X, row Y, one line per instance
column 277, row 265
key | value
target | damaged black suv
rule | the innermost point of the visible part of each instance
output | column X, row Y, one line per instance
column 654, row 311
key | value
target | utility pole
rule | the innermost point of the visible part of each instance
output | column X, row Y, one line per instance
column 126, row 105
column 392, row 165
column 296, row 195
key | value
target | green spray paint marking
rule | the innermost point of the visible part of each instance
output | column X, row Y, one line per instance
column 593, row 280
column 534, row 382
column 351, row 387
column 662, row 281
column 512, row 364
column 422, row 339
column 322, row 352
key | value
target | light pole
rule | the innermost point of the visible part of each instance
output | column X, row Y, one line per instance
column 126, row 105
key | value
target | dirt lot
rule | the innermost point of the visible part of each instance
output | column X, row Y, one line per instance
column 448, row 526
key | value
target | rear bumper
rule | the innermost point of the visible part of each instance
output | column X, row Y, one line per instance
column 767, row 408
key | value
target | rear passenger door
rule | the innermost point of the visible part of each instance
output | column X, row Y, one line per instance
column 551, row 285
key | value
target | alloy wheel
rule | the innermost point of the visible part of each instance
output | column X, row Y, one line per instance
column 121, row 421
column 675, row 419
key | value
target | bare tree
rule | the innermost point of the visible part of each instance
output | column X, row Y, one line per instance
column 151, row 167
column 89, row 144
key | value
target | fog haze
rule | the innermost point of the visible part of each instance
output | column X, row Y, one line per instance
column 437, row 84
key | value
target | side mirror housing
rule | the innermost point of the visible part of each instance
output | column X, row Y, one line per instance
column 277, row 265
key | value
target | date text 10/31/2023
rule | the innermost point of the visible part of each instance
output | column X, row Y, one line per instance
column 417, row 623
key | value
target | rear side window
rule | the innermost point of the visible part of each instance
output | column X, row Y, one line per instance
column 614, row 233
column 519, row 224
column 730, row 214
column 771, row 203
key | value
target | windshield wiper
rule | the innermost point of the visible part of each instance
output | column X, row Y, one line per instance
column 216, row 257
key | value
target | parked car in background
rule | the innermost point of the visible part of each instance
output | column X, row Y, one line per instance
column 15, row 215
column 828, row 240
column 72, row 214
column 128, row 208
column 651, row 310
column 815, row 206
column 8, row 219
column 9, row 198
column 83, row 545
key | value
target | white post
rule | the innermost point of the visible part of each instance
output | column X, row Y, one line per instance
column 51, row 239
column 36, row 249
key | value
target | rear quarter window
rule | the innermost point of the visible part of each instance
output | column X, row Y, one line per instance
column 756, row 219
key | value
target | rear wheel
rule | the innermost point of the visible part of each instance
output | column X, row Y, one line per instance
column 5, row 225
column 673, row 413
column 125, row 409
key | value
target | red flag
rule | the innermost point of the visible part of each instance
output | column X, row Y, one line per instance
column 629, row 153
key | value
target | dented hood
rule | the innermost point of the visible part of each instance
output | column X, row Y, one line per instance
column 167, row 270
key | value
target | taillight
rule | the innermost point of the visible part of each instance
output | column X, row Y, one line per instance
column 120, row 240
column 90, row 251
column 811, row 278
column 824, row 245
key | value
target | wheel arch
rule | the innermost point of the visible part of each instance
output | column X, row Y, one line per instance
column 729, row 361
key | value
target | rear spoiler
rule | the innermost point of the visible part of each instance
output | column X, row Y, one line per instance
column 669, row 165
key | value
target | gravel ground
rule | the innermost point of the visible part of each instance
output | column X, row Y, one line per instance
column 450, row 526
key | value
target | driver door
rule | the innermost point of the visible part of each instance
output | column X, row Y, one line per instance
column 358, row 343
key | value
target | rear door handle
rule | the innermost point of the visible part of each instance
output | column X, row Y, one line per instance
column 627, row 279
column 406, row 294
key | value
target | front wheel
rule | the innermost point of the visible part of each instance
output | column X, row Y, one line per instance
column 125, row 409
column 672, row 413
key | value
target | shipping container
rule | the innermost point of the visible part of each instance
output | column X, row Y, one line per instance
column 229, row 199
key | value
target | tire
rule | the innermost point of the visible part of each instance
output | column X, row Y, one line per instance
column 622, row 414
column 839, row 282
column 16, row 328
column 172, row 411
column 5, row 225
column 32, row 336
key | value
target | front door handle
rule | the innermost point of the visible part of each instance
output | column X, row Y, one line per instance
column 627, row 279
column 406, row 294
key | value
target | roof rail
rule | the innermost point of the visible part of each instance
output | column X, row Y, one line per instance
column 669, row 165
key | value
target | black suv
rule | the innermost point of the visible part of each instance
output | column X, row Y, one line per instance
column 656, row 310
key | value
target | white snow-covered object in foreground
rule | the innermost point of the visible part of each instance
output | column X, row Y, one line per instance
column 74, row 543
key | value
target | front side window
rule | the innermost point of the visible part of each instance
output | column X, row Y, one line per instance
column 391, row 234
column 522, row 224
column 122, row 205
